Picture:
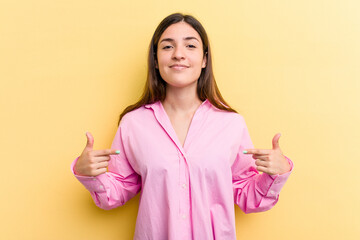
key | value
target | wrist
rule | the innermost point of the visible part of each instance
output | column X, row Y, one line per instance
column 286, row 168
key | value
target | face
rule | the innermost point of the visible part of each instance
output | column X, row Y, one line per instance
column 180, row 56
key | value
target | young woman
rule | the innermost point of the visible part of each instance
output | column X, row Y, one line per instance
column 182, row 146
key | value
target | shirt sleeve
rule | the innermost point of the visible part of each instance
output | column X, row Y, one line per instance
column 115, row 187
column 254, row 192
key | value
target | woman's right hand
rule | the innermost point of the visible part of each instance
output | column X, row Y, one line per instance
column 93, row 162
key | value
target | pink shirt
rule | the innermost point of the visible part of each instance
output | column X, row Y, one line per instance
column 187, row 192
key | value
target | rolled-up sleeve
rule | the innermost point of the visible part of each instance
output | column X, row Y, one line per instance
column 115, row 187
column 254, row 192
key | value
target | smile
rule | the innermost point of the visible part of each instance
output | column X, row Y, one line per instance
column 178, row 67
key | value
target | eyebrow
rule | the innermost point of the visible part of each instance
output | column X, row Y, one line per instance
column 172, row 40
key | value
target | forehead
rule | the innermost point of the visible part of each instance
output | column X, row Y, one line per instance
column 180, row 30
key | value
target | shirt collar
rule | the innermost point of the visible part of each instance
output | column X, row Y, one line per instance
column 157, row 104
column 164, row 121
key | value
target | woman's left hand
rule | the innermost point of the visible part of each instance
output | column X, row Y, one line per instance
column 270, row 161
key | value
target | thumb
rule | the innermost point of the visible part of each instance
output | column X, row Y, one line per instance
column 90, row 141
column 275, row 141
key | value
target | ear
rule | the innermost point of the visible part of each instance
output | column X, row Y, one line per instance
column 204, row 60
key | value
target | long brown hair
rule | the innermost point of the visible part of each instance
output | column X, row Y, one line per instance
column 155, row 86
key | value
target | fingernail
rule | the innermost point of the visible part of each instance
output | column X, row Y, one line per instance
column 117, row 152
column 244, row 151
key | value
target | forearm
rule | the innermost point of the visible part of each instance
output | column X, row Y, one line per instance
column 259, row 192
column 110, row 190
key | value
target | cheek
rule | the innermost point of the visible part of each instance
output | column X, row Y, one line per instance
column 198, row 59
column 161, row 61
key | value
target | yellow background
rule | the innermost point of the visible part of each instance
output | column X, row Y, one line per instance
column 67, row 67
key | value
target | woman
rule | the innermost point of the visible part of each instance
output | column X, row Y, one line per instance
column 188, row 152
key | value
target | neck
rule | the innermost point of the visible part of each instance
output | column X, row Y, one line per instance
column 183, row 100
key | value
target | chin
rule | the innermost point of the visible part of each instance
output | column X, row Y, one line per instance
column 181, row 84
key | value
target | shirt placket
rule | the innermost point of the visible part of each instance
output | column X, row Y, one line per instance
column 184, row 198
column 184, row 216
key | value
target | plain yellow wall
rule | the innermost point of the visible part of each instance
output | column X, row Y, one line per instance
column 67, row 67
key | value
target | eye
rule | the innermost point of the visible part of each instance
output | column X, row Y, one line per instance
column 191, row 46
column 167, row 47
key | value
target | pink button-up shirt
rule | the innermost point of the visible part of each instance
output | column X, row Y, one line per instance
column 187, row 192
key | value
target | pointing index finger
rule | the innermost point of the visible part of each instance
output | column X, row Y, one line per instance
column 257, row 151
column 106, row 152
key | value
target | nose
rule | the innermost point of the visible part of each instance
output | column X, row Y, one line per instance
column 178, row 53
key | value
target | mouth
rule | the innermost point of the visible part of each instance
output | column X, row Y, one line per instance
column 178, row 66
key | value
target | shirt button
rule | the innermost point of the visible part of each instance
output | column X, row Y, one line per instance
column 272, row 192
column 277, row 181
column 94, row 179
column 184, row 185
column 101, row 187
column 184, row 216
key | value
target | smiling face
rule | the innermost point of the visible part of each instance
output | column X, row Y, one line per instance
column 180, row 56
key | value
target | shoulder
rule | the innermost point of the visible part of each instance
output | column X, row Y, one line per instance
column 140, row 114
column 226, row 116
